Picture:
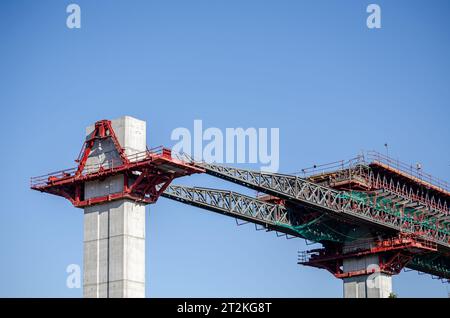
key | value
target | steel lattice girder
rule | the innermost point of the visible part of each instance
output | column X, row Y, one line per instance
column 272, row 216
column 332, row 201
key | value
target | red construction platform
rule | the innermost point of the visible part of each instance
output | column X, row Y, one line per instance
column 145, row 174
column 393, row 254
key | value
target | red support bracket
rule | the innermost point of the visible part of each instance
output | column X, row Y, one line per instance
column 102, row 130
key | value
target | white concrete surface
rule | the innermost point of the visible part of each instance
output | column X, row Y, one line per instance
column 114, row 232
column 375, row 285
column 131, row 134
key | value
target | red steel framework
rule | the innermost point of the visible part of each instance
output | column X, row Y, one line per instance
column 145, row 174
column 393, row 254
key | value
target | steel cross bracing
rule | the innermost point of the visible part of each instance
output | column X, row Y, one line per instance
column 328, row 200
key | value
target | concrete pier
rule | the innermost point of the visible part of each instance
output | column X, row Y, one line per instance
column 374, row 285
column 114, row 232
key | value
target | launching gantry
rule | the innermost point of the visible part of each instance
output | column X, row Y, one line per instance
column 373, row 216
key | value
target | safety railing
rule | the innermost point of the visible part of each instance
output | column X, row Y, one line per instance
column 338, row 167
column 322, row 169
column 373, row 156
column 303, row 257
column 109, row 165
column 307, row 256
column 43, row 179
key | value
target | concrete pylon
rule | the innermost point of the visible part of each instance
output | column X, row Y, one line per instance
column 114, row 232
column 374, row 285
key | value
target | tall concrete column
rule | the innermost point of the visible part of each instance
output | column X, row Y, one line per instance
column 114, row 232
column 375, row 285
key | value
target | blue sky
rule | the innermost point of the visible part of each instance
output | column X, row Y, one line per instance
column 311, row 68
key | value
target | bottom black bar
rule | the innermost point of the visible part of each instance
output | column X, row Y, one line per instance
column 211, row 307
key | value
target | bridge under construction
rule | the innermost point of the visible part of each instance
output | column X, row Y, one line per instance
column 372, row 215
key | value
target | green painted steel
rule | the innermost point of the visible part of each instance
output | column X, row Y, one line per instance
column 388, row 206
column 316, row 231
column 431, row 263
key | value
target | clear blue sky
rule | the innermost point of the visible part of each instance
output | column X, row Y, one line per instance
column 311, row 68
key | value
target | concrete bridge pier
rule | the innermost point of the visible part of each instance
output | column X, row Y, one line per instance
column 374, row 285
column 365, row 281
column 114, row 232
